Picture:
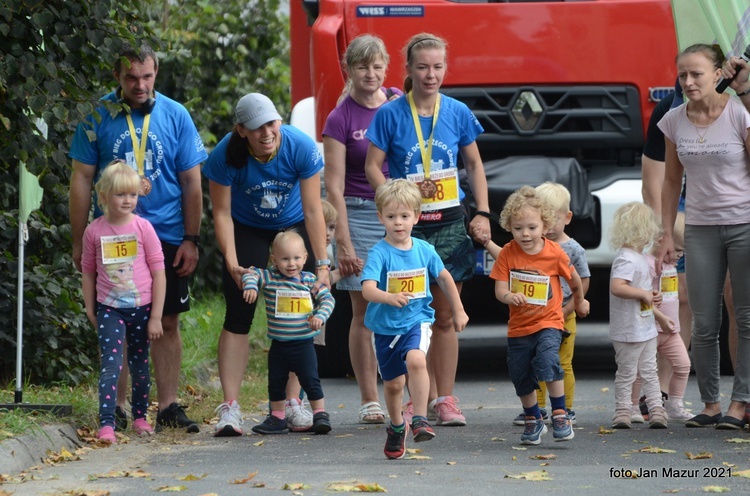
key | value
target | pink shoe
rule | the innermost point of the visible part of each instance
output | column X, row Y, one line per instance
column 107, row 435
column 142, row 427
column 448, row 413
column 408, row 412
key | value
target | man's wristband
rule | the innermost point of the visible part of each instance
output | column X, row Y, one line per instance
column 484, row 214
column 194, row 238
column 325, row 262
column 743, row 93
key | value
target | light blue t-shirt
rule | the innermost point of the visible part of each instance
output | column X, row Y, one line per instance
column 173, row 146
column 392, row 130
column 267, row 196
column 384, row 258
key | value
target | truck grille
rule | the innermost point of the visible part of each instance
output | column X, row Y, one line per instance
column 538, row 118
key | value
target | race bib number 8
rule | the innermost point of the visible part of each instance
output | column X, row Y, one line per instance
column 534, row 287
column 119, row 249
column 408, row 281
column 293, row 304
column 446, row 195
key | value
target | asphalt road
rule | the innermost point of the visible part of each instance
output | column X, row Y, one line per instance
column 484, row 457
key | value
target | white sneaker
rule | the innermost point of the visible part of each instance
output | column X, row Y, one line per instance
column 298, row 418
column 230, row 420
column 432, row 414
column 676, row 410
column 635, row 415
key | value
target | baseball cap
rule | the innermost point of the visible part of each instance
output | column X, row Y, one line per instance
column 253, row 110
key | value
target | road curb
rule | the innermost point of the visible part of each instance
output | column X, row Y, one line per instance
column 22, row 452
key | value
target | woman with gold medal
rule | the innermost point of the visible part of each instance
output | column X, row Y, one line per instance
column 422, row 135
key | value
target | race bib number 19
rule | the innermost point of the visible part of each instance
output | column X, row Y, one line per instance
column 534, row 287
column 408, row 281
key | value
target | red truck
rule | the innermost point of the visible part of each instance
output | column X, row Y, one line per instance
column 563, row 89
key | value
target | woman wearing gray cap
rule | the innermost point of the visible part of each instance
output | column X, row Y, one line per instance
column 263, row 179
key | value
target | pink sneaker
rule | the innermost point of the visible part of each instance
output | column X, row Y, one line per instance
column 408, row 412
column 142, row 427
column 448, row 413
column 107, row 434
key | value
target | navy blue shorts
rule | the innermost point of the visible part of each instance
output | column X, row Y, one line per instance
column 391, row 350
column 534, row 358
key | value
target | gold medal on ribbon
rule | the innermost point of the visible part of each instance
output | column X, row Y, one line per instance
column 139, row 150
column 145, row 188
column 428, row 188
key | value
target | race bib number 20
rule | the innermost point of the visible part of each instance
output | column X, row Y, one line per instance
column 408, row 281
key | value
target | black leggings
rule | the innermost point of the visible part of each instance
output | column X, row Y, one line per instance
column 293, row 356
column 252, row 245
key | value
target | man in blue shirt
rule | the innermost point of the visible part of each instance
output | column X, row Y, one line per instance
column 157, row 137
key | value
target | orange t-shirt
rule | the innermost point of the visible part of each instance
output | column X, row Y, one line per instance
column 551, row 262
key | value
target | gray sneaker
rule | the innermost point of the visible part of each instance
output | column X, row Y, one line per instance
column 562, row 429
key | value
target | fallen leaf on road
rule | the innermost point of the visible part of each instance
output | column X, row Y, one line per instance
column 741, row 473
column 295, row 486
column 418, row 457
column 519, row 448
column 171, row 489
column 543, row 457
column 703, row 455
column 497, row 439
column 344, row 435
column 604, row 390
column 538, row 475
column 249, row 477
column 355, row 487
column 116, row 474
column 738, row 440
column 603, row 430
column 63, row 456
column 715, row 489
column 514, row 458
column 259, row 443
column 655, row 449
column 413, row 450
column 191, row 477
column 210, row 494
column 341, row 406
column 451, row 463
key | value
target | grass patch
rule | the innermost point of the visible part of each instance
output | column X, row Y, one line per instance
column 200, row 388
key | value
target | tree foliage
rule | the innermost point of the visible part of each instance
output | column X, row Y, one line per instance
column 56, row 61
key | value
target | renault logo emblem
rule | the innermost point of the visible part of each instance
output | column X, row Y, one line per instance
column 527, row 110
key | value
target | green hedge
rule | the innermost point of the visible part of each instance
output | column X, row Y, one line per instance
column 55, row 62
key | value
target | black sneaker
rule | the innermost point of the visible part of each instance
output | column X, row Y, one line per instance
column 121, row 419
column 395, row 443
column 422, row 430
column 321, row 423
column 273, row 425
column 174, row 417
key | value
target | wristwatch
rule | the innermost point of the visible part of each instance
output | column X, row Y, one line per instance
column 196, row 239
column 323, row 263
